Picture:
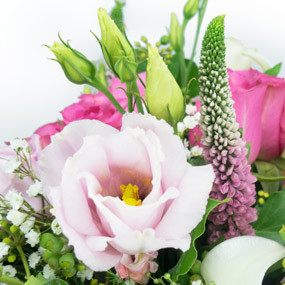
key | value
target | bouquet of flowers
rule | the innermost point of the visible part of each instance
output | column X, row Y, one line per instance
column 171, row 173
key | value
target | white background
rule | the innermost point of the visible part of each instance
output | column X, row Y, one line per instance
column 33, row 89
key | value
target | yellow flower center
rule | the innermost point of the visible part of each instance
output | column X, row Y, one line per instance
column 131, row 195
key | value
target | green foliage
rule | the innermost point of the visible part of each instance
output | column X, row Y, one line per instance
column 271, row 217
column 40, row 280
column 274, row 71
column 188, row 258
column 117, row 15
column 268, row 169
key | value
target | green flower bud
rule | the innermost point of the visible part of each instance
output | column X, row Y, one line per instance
column 164, row 40
column 282, row 232
column 51, row 242
column 4, row 224
column 11, row 258
column 196, row 277
column 47, row 254
column 7, row 240
column 81, row 267
column 163, row 95
column 53, row 261
column 126, row 69
column 196, row 268
column 190, row 9
column 114, row 45
column 68, row 273
column 77, row 68
column 67, row 261
column 175, row 36
column 94, row 282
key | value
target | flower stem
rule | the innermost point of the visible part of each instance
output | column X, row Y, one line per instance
column 4, row 279
column 133, row 91
column 201, row 12
column 263, row 178
column 24, row 260
column 101, row 87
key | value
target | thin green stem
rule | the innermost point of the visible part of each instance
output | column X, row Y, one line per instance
column 263, row 178
column 24, row 260
column 4, row 279
column 133, row 90
column 201, row 13
column 101, row 87
column 182, row 65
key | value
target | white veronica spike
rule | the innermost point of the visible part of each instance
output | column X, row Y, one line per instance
column 241, row 260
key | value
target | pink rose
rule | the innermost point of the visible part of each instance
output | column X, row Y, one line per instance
column 9, row 181
column 136, row 268
column 92, row 107
column 260, row 108
column 123, row 192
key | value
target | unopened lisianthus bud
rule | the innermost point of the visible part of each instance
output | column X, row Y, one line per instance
column 190, row 8
column 175, row 36
column 113, row 43
column 163, row 95
column 77, row 68
column 126, row 69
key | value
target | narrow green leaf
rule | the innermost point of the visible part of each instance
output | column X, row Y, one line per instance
column 274, row 71
column 188, row 258
column 271, row 217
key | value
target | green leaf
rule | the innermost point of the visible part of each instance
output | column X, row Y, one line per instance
column 193, row 85
column 271, row 217
column 268, row 169
column 279, row 162
column 188, row 258
column 248, row 146
column 174, row 66
column 117, row 15
column 40, row 280
column 142, row 66
column 274, row 71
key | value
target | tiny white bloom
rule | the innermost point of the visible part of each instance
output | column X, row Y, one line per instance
column 27, row 225
column 190, row 122
column 15, row 199
column 181, row 127
column 32, row 237
column 4, row 248
column 197, row 282
column 56, row 227
column 48, row 272
column 16, row 217
column 35, row 189
column 9, row 270
column 197, row 116
column 12, row 165
column 190, row 109
column 85, row 274
column 196, row 151
column 186, row 143
column 17, row 143
column 34, row 259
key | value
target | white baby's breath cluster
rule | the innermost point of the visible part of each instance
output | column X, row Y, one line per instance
column 35, row 189
column 190, row 121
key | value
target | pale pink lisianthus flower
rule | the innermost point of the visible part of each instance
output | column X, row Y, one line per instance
column 88, row 164
column 9, row 181
column 136, row 267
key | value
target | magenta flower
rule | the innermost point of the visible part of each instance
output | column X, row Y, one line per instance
column 260, row 109
column 123, row 192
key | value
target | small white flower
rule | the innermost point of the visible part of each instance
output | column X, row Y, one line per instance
column 56, row 227
column 32, row 237
column 196, row 151
column 85, row 274
column 15, row 199
column 190, row 109
column 180, row 127
column 197, row 116
column 197, row 282
column 17, row 143
column 12, row 165
column 27, row 225
column 190, row 122
column 34, row 259
column 48, row 272
column 16, row 217
column 35, row 189
column 4, row 248
column 9, row 270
